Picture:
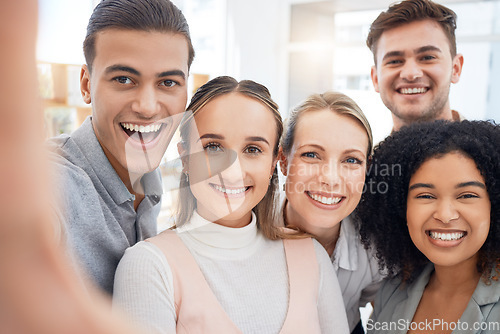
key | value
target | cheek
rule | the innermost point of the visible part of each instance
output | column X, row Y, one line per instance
column 299, row 175
column 354, row 181
column 415, row 219
column 415, row 231
column 261, row 170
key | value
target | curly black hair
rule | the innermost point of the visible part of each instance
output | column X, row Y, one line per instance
column 382, row 210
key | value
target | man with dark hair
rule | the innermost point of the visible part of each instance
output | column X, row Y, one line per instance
column 414, row 50
column 138, row 54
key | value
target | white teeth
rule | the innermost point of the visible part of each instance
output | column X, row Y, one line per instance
column 413, row 90
column 141, row 128
column 230, row 191
column 325, row 200
column 446, row 236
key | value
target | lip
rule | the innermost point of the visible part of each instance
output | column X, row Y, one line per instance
column 327, row 195
column 226, row 195
column 445, row 243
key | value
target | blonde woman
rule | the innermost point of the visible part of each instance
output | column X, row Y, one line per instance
column 225, row 268
column 324, row 153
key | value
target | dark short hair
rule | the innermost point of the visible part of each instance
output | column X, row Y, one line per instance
column 143, row 15
column 382, row 209
column 409, row 11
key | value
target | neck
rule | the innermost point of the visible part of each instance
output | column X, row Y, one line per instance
column 327, row 237
column 461, row 278
column 445, row 114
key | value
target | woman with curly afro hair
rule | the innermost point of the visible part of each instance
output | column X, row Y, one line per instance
column 431, row 211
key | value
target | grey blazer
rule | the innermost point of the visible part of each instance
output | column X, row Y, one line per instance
column 396, row 303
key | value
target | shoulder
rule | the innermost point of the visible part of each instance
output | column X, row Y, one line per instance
column 143, row 254
column 144, row 263
column 66, row 160
column 487, row 296
column 391, row 293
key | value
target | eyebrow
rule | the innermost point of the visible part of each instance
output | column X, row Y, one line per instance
column 422, row 49
column 262, row 139
column 216, row 136
column 393, row 54
column 421, row 185
column 128, row 69
column 313, row 145
column 121, row 68
column 460, row 185
column 211, row 136
column 427, row 48
column 354, row 150
column 471, row 183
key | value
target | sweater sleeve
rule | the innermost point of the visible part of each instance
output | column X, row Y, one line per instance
column 331, row 310
column 143, row 289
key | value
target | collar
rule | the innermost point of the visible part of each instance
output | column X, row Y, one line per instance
column 97, row 163
column 219, row 236
column 456, row 116
column 345, row 255
column 485, row 296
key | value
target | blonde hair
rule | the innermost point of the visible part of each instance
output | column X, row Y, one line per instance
column 266, row 211
column 336, row 102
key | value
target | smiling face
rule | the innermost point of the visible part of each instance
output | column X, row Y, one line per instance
column 137, row 85
column 237, row 125
column 413, row 72
column 325, row 172
column 448, row 210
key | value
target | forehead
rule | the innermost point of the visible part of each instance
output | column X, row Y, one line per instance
column 141, row 48
column 412, row 36
column 453, row 167
column 329, row 127
column 236, row 114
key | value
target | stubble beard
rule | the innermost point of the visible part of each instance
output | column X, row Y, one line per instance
column 418, row 114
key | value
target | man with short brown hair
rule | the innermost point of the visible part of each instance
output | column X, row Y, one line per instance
column 414, row 49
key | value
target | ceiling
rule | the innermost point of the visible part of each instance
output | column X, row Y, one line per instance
column 335, row 6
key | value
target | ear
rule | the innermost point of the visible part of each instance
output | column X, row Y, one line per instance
column 374, row 76
column 458, row 63
column 85, row 84
column 283, row 161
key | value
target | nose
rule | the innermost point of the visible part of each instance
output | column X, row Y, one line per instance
column 146, row 104
column 233, row 176
column 330, row 173
column 446, row 212
column 411, row 71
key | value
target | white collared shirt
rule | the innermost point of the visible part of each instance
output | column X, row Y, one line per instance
column 357, row 271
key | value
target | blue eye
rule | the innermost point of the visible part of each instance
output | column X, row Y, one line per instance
column 310, row 155
column 353, row 161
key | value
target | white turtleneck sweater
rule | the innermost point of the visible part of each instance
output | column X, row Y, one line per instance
column 246, row 272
